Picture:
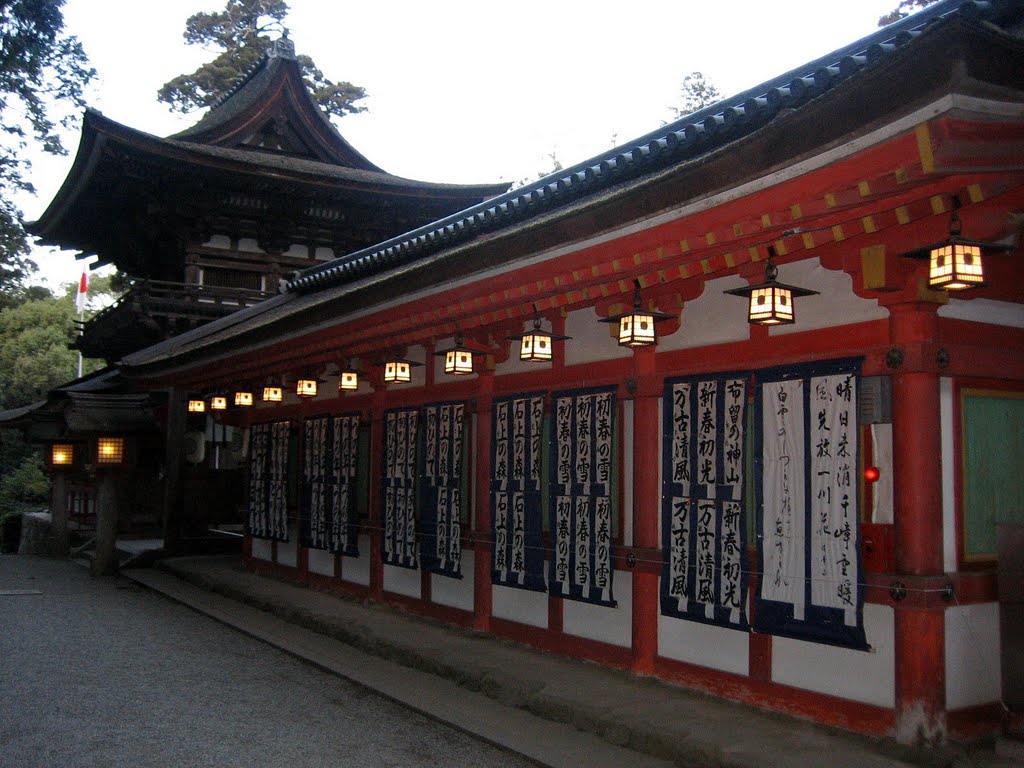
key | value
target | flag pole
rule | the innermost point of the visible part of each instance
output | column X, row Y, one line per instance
column 83, row 288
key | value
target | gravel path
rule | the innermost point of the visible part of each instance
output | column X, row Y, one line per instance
column 99, row 672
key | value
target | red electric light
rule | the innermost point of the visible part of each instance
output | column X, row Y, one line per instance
column 871, row 474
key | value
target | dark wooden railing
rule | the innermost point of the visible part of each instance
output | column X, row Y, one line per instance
column 154, row 309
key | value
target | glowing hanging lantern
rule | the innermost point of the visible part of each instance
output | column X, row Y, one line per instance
column 62, row 454
column 218, row 403
column 110, row 450
column 306, row 388
column 243, row 399
column 197, row 406
column 397, row 371
column 956, row 264
column 535, row 345
column 771, row 302
column 636, row 327
column 272, row 395
column 348, row 378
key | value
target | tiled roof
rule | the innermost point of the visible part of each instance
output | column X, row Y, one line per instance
column 691, row 136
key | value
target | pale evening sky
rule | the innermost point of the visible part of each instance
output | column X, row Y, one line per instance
column 462, row 91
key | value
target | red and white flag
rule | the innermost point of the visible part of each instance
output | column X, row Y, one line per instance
column 83, row 288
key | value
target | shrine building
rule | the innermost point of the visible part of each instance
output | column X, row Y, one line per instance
column 737, row 404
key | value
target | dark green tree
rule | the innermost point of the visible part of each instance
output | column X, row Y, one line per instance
column 241, row 33
column 696, row 92
column 904, row 9
column 43, row 72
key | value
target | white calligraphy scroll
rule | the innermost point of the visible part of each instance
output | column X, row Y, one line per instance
column 784, row 504
column 833, row 446
column 581, row 507
column 702, row 515
column 440, row 489
column 399, row 483
column 810, row 521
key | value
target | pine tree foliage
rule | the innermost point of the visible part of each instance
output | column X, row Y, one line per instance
column 904, row 9
column 43, row 73
column 696, row 92
column 241, row 33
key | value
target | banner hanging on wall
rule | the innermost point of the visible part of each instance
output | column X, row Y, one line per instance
column 702, row 524
column 330, row 460
column 399, row 487
column 580, row 501
column 440, row 490
column 268, row 481
column 516, row 524
column 808, row 521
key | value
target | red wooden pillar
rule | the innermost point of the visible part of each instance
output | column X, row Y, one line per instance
column 646, row 508
column 917, row 500
column 482, row 593
column 380, row 396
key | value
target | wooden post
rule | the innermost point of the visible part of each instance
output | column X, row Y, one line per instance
column 174, row 447
column 60, row 539
column 646, row 507
column 917, row 502
column 482, row 592
column 104, row 562
column 380, row 397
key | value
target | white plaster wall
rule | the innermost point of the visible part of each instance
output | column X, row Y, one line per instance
column 262, row 549
column 865, row 676
column 455, row 593
column 218, row 241
column 288, row 551
column 727, row 650
column 321, row 561
column 973, row 663
column 402, row 581
column 522, row 606
column 598, row 622
column 591, row 341
column 323, row 253
column 835, row 305
column 298, row 251
column 984, row 311
column 711, row 318
column 249, row 244
column 357, row 569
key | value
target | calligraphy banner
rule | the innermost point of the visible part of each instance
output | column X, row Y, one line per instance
column 703, row 535
column 580, row 501
column 517, row 527
column 440, row 489
column 330, row 460
column 399, row 487
column 808, row 520
column 268, row 481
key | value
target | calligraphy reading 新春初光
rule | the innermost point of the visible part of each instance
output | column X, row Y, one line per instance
column 702, row 524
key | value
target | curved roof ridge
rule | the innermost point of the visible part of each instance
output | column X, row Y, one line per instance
column 691, row 134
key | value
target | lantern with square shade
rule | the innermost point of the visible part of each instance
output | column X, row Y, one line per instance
column 636, row 327
column 771, row 302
